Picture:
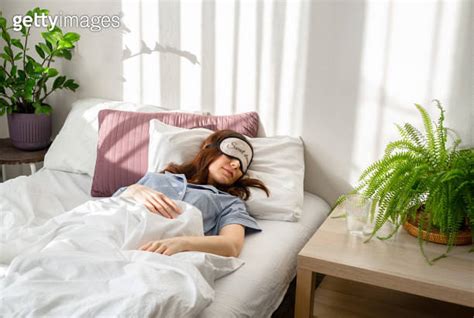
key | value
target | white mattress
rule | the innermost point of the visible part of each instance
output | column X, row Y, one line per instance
column 255, row 290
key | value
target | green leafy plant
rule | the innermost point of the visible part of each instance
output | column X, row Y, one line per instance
column 422, row 177
column 24, row 79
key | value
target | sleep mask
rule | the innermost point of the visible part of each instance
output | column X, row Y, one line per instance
column 239, row 149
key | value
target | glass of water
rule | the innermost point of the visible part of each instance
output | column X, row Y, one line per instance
column 357, row 213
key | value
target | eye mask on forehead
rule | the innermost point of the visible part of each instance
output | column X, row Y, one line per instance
column 239, row 149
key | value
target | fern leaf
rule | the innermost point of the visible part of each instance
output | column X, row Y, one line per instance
column 414, row 135
column 441, row 136
column 430, row 139
column 402, row 145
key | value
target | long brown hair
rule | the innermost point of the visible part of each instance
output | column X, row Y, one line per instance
column 196, row 171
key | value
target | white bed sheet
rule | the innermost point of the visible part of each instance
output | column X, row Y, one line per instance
column 255, row 290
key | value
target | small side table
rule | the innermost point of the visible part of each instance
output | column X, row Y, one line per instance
column 395, row 264
column 10, row 155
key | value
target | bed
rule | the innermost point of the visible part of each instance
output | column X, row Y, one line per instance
column 256, row 289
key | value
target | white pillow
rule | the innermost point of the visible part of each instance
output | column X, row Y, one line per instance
column 172, row 144
column 75, row 147
column 278, row 162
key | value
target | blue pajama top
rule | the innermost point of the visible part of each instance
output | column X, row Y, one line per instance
column 218, row 208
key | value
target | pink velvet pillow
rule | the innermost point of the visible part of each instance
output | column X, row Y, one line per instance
column 122, row 148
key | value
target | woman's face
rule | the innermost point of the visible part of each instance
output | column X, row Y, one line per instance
column 224, row 170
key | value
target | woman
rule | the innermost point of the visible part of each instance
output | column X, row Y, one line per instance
column 215, row 182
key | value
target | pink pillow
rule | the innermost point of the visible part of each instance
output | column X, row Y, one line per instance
column 122, row 148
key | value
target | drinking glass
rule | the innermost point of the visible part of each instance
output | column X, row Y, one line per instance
column 357, row 212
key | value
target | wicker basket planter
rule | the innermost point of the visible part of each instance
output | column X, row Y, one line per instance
column 464, row 236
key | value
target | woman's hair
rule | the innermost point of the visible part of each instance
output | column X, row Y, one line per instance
column 196, row 171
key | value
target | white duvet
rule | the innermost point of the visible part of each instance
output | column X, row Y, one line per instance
column 84, row 263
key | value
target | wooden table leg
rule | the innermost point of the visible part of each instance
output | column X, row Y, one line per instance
column 305, row 281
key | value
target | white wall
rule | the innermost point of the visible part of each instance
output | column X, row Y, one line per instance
column 338, row 73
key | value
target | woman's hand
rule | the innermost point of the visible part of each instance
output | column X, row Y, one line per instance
column 168, row 246
column 154, row 201
column 229, row 242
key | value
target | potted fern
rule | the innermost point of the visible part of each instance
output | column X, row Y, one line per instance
column 24, row 80
column 425, row 183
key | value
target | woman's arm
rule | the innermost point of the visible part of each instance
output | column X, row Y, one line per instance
column 229, row 242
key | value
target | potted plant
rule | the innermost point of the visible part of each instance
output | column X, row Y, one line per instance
column 24, row 80
column 425, row 183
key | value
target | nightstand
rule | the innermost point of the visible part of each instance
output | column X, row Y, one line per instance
column 396, row 264
column 10, row 155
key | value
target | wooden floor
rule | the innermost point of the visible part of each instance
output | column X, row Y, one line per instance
column 342, row 298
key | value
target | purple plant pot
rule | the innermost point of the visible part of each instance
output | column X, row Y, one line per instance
column 29, row 131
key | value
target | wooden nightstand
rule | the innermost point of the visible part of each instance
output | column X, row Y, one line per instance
column 10, row 155
column 396, row 264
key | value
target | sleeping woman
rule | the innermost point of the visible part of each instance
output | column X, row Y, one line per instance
column 78, row 262
column 215, row 182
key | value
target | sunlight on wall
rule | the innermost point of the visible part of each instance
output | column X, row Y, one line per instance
column 131, row 42
column 258, row 59
column 141, row 64
column 444, row 55
column 224, row 57
column 191, row 30
column 267, row 71
column 149, row 60
column 408, row 56
column 288, row 80
column 246, row 68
